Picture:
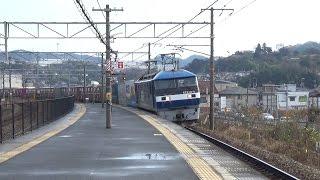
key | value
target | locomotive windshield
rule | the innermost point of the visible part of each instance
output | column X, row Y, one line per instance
column 176, row 83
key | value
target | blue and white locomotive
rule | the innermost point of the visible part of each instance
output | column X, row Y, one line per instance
column 173, row 95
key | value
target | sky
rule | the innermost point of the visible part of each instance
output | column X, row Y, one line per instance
column 287, row 22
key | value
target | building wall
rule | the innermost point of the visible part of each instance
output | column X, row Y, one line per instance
column 223, row 86
column 236, row 101
column 16, row 81
column 269, row 102
column 295, row 100
column 314, row 102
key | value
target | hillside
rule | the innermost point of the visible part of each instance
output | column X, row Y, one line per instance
column 293, row 64
column 27, row 56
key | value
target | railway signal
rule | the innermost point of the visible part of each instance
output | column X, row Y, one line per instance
column 120, row 65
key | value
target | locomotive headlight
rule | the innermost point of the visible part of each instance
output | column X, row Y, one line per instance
column 165, row 98
column 191, row 96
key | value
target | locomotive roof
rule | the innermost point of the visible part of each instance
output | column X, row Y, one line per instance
column 162, row 75
column 173, row 74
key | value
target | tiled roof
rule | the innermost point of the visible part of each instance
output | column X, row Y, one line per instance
column 204, row 86
column 237, row 91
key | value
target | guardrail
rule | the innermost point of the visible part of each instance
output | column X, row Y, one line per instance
column 19, row 118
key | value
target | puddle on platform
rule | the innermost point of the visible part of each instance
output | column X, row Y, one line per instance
column 65, row 136
column 149, row 156
column 145, row 167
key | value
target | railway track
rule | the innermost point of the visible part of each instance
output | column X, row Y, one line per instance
column 265, row 168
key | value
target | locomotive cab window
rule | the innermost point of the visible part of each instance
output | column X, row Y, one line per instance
column 165, row 84
column 187, row 82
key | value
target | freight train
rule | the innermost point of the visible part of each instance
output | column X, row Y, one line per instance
column 174, row 95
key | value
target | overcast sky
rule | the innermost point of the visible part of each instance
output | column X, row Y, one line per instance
column 275, row 22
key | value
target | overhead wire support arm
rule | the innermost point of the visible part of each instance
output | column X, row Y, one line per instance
column 33, row 30
column 181, row 45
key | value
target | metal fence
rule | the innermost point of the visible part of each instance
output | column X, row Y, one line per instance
column 19, row 118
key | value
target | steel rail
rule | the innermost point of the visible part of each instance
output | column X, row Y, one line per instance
column 270, row 169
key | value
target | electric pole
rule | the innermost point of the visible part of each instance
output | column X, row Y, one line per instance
column 149, row 58
column 103, row 89
column 211, row 116
column 108, row 64
column 6, row 35
column 37, row 71
column 84, row 82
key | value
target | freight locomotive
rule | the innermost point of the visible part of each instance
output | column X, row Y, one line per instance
column 173, row 95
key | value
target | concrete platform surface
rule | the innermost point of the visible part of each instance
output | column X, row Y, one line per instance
column 132, row 149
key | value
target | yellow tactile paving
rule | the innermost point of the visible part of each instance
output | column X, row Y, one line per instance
column 201, row 168
column 24, row 147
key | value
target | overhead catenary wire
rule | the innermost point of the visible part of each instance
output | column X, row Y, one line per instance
column 238, row 11
column 191, row 32
column 176, row 26
column 101, row 8
column 86, row 14
column 233, row 13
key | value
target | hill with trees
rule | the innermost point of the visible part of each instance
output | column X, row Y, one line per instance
column 292, row 64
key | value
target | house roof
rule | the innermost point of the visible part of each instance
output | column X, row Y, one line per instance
column 224, row 82
column 237, row 91
column 204, row 85
column 314, row 92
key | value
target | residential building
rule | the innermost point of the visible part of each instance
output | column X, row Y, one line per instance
column 222, row 84
column 290, row 97
column 237, row 97
column 314, row 98
column 268, row 97
column 204, row 87
column 16, row 81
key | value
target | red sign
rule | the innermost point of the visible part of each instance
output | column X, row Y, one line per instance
column 120, row 65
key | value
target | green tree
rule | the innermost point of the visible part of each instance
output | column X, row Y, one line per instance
column 258, row 51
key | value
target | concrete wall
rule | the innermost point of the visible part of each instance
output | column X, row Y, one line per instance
column 236, row 101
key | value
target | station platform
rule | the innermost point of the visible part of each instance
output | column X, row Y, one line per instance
column 140, row 145
column 132, row 149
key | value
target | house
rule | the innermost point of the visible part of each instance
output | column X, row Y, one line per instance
column 237, row 97
column 290, row 97
column 16, row 81
column 222, row 84
column 204, row 87
column 314, row 98
column 268, row 97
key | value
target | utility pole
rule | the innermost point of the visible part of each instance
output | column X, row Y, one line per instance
column 108, row 64
column 103, row 89
column 84, row 82
column 3, row 96
column 149, row 58
column 6, row 30
column 211, row 116
column 69, row 76
column 212, row 123
column 37, row 71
